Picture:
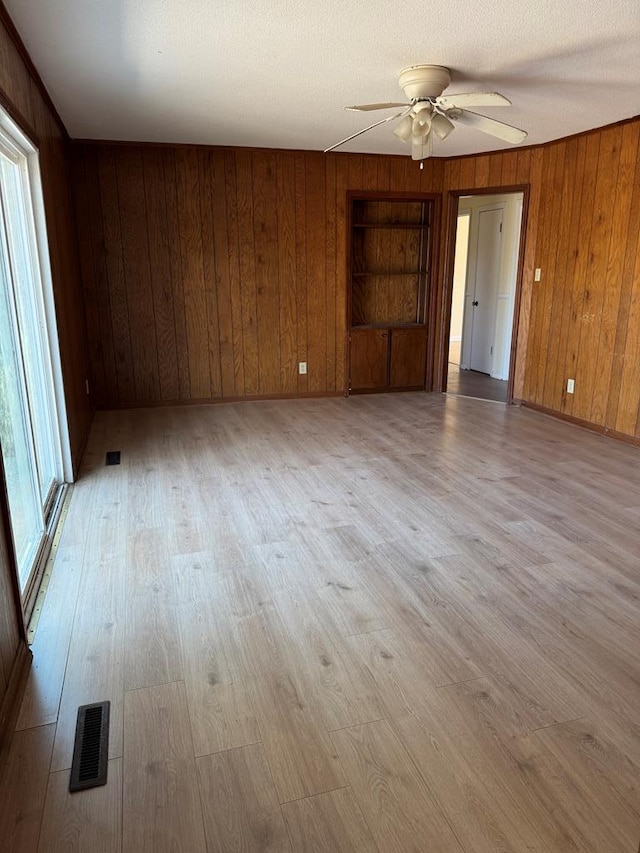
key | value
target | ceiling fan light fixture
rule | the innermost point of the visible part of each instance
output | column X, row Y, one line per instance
column 421, row 147
column 404, row 128
column 421, row 126
column 441, row 126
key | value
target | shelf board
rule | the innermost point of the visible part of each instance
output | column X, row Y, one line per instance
column 389, row 326
column 406, row 226
column 387, row 274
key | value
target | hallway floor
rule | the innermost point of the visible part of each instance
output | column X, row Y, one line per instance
column 470, row 383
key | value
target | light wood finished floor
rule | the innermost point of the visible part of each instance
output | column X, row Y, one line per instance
column 391, row 623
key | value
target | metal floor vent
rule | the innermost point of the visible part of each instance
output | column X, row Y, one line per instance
column 91, row 748
column 113, row 457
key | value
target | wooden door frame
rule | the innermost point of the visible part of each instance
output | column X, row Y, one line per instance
column 453, row 200
column 431, row 289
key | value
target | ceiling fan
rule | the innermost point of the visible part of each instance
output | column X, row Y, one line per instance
column 428, row 111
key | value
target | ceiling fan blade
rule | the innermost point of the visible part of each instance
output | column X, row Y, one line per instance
column 364, row 130
column 473, row 99
column 363, row 108
column 489, row 125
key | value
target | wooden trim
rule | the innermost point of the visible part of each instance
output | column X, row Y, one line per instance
column 16, row 38
column 414, row 388
column 10, row 706
column 389, row 195
column 432, row 294
column 5, row 524
column 450, row 240
column 517, row 297
column 23, row 123
column 77, row 457
column 208, row 401
column 579, row 422
column 532, row 147
column 535, row 145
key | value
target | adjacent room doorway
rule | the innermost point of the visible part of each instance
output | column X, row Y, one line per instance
column 484, row 291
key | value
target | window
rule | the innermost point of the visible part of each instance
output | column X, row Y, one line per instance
column 34, row 447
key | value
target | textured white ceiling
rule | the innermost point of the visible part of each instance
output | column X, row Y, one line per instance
column 277, row 73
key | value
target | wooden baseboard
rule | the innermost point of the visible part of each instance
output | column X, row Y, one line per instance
column 208, row 401
column 10, row 706
column 579, row 422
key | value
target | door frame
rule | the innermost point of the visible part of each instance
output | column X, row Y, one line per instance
column 431, row 288
column 453, row 201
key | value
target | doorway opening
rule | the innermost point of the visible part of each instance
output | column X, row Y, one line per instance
column 33, row 435
column 484, row 295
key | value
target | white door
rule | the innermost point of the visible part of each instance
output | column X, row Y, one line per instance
column 485, row 289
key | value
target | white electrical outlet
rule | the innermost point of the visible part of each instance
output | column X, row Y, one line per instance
column 302, row 367
column 571, row 384
column 538, row 274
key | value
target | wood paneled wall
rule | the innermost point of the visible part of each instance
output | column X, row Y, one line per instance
column 21, row 95
column 582, row 319
column 209, row 272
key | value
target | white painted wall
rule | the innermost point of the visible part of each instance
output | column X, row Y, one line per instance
column 512, row 215
column 459, row 276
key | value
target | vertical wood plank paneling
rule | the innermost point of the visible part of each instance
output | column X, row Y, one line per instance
column 627, row 419
column 137, row 273
column 608, row 159
column 370, row 171
column 205, row 171
column 529, row 170
column 509, row 165
column 161, row 285
column 569, row 319
column 285, row 166
column 554, row 385
column 582, row 261
column 266, row 254
column 220, row 239
column 191, row 255
column 330, row 271
column 482, row 171
column 247, row 264
column 495, row 170
column 548, row 256
column 231, row 189
column 316, row 271
column 630, row 251
column 300, row 195
column 114, row 261
column 342, row 185
column 86, row 238
column 175, row 266
column 267, row 270
column 396, row 174
column 620, row 226
column 467, row 173
column 99, row 270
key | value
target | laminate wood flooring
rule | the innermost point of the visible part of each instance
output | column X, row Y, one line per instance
column 387, row 623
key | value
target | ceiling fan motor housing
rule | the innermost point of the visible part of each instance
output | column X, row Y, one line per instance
column 421, row 82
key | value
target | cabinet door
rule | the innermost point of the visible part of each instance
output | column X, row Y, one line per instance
column 369, row 354
column 408, row 357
